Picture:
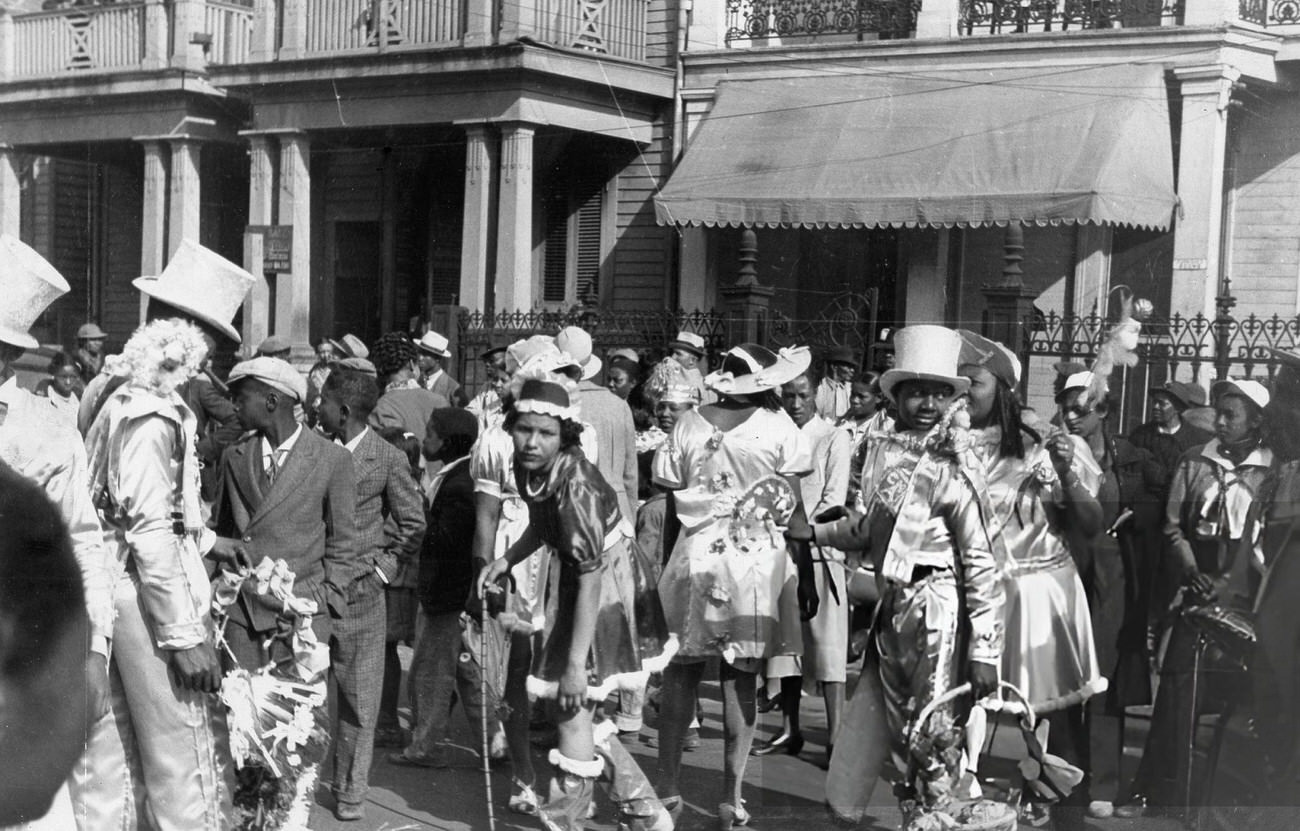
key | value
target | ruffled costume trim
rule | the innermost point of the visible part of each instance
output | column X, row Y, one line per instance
column 541, row 688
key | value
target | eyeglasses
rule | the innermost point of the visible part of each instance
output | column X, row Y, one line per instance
column 1079, row 412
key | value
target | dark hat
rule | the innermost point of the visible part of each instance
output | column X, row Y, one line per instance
column 1183, row 393
column 842, row 355
column 689, row 342
column 493, row 352
column 274, row 345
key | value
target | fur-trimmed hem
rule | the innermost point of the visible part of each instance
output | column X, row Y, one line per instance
column 603, row 731
column 541, row 688
column 587, row 770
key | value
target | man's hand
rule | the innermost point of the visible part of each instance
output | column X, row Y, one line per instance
column 1202, row 586
column 231, row 553
column 196, row 668
column 1061, row 450
column 97, row 688
column 983, row 679
column 490, row 574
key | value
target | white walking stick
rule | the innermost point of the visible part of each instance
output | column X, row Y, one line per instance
column 483, row 721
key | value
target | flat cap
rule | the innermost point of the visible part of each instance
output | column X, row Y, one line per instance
column 90, row 331
column 274, row 344
column 274, row 372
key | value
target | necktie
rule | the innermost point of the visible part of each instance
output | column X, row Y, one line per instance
column 272, row 468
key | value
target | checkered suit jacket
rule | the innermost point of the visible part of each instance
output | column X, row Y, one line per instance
column 306, row 518
column 390, row 509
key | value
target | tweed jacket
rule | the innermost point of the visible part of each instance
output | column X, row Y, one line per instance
column 390, row 509
column 306, row 517
column 611, row 419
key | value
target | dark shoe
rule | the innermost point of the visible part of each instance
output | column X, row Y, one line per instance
column 731, row 816
column 1132, row 808
column 767, row 704
column 784, row 743
column 691, row 740
column 349, row 811
column 389, row 737
column 673, row 805
column 434, row 760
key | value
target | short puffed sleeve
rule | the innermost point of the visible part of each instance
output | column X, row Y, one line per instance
column 490, row 464
column 581, row 512
column 1085, row 466
column 794, row 450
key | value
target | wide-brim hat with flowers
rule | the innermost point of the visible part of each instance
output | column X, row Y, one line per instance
column 203, row 284
column 31, row 285
column 925, row 352
column 766, row 370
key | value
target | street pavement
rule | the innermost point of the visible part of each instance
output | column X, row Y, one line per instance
column 781, row 792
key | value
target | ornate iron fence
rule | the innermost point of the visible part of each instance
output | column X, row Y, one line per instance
column 1178, row 348
column 645, row 331
column 1012, row 16
column 1269, row 12
column 882, row 19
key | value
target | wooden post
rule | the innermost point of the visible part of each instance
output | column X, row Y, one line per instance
column 480, row 20
column 294, row 42
column 187, row 20
column 264, row 20
column 518, row 20
column 10, row 196
column 475, row 250
column 153, row 242
column 514, row 278
column 184, row 210
column 7, row 43
column 261, row 196
column 293, row 291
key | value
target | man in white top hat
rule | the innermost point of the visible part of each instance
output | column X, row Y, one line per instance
column 144, row 473
column 433, row 355
column 52, row 455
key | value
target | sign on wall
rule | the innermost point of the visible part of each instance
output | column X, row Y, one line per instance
column 277, row 246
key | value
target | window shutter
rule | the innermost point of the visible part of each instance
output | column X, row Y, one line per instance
column 554, row 266
column 587, row 271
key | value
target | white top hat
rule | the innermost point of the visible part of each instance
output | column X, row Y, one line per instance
column 434, row 344
column 30, row 285
column 202, row 283
column 925, row 352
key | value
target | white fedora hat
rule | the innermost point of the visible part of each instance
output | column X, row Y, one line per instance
column 202, row 283
column 925, row 352
column 434, row 344
column 30, row 285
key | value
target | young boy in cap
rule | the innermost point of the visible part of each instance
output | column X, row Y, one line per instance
column 89, row 356
column 390, row 527
column 486, row 406
column 835, row 389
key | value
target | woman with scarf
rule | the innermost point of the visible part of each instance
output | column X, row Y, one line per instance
column 729, row 589
column 1206, row 517
column 603, row 626
column 1037, row 489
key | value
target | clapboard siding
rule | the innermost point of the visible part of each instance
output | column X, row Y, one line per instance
column 661, row 32
column 642, row 254
column 119, row 299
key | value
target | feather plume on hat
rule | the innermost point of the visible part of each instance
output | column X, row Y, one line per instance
column 1119, row 348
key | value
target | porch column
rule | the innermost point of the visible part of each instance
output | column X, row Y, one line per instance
column 293, row 290
column 156, row 35
column 261, row 197
column 514, row 281
column 265, row 14
column 1091, row 269
column 153, row 239
column 7, row 38
column 187, row 20
column 10, row 200
column 294, row 29
column 183, row 216
column 480, row 162
column 478, row 23
column 1198, row 230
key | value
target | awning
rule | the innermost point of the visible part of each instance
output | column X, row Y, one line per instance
column 964, row 148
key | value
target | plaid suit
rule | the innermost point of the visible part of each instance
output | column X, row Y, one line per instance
column 390, row 527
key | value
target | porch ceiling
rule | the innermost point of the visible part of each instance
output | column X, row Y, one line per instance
column 939, row 148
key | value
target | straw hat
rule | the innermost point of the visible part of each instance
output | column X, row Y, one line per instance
column 766, row 370
column 688, row 341
column 31, row 285
column 201, row 283
column 90, row 331
column 925, row 352
column 433, row 343
column 577, row 343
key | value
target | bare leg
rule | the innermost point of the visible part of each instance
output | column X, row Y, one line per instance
column 739, row 715
column 833, row 696
column 677, row 707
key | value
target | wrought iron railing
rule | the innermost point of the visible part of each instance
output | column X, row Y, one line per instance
column 1177, row 348
column 1013, row 16
column 1269, row 12
column 749, row 20
column 646, row 331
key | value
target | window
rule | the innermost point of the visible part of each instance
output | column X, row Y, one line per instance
column 575, row 246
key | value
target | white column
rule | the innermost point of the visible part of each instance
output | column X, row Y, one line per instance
column 293, row 29
column 10, row 194
column 262, row 48
column 480, row 163
column 187, row 20
column 938, row 19
column 153, row 240
column 514, row 282
column 261, row 197
column 293, row 290
column 7, row 41
column 1198, row 229
column 185, row 189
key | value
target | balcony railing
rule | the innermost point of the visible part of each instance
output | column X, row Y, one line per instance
column 810, row 20
column 230, row 26
column 1270, row 12
column 1004, row 16
column 341, row 26
column 79, row 39
column 607, row 27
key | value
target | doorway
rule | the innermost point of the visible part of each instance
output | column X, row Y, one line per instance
column 358, row 264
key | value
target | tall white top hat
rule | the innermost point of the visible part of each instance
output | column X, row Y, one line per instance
column 30, row 285
column 925, row 352
column 202, row 283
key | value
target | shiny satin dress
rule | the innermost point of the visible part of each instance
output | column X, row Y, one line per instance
column 1049, row 652
column 575, row 512
column 719, row 600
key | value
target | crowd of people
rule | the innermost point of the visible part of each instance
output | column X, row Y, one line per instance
column 587, row 538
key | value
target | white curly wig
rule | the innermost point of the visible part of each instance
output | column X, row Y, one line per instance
column 162, row 355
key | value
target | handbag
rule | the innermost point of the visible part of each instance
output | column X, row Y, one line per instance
column 1231, row 630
